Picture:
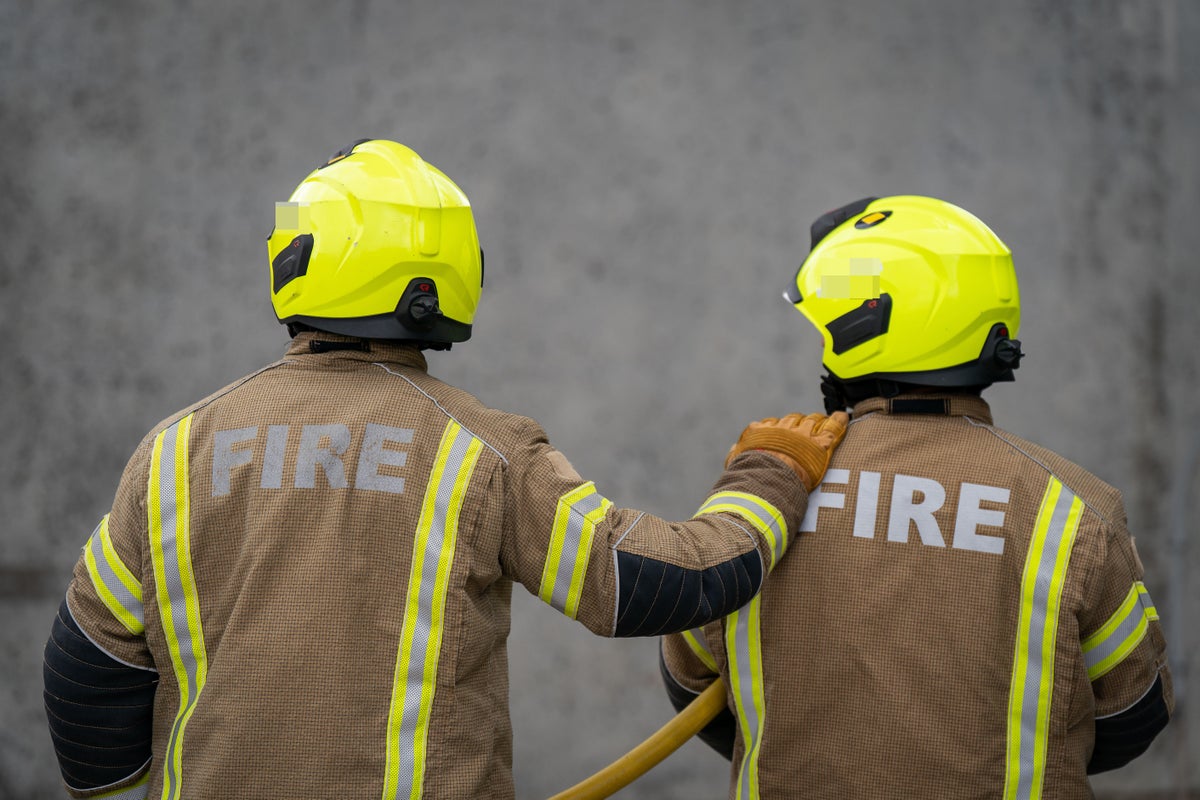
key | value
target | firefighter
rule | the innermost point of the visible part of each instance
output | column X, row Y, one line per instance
column 964, row 614
column 302, row 588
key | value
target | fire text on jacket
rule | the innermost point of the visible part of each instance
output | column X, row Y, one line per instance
column 914, row 501
column 320, row 447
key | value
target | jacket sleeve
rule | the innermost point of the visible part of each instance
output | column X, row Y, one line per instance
column 1125, row 655
column 623, row 572
column 688, row 665
column 99, row 677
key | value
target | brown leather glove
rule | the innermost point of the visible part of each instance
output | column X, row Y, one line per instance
column 804, row 443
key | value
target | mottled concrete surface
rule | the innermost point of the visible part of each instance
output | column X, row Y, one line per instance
column 643, row 176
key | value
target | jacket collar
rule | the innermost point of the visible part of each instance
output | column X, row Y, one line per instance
column 334, row 346
column 930, row 404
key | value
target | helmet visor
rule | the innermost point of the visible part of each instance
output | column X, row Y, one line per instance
column 792, row 292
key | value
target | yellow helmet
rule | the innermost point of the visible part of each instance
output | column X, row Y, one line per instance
column 908, row 290
column 379, row 244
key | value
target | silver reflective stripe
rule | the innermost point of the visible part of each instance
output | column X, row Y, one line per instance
column 421, row 637
column 574, row 546
column 174, row 586
column 745, row 674
column 569, row 550
column 128, row 604
column 1108, row 647
column 168, row 506
column 1121, row 634
column 422, row 624
column 1033, row 665
column 758, row 512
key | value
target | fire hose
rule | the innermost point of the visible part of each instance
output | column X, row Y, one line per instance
column 660, row 744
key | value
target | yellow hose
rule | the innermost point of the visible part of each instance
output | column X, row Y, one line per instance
column 666, row 740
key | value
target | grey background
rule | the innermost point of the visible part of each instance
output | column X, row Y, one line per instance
column 643, row 175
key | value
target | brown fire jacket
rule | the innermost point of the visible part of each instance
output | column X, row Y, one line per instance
column 962, row 615
column 316, row 562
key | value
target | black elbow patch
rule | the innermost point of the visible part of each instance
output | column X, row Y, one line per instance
column 1123, row 737
column 656, row 597
column 100, row 711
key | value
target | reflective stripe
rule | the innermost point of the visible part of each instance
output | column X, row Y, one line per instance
column 579, row 510
column 1124, row 631
column 744, row 651
column 137, row 791
column 116, row 585
column 1032, row 685
column 765, row 517
column 415, row 678
column 170, row 550
column 695, row 640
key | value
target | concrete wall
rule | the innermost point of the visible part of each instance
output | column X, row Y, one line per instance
column 643, row 176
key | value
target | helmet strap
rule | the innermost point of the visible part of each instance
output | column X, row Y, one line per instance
column 840, row 395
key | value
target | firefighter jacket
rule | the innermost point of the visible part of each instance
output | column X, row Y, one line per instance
column 303, row 586
column 963, row 615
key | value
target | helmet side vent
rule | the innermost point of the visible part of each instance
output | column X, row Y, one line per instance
column 862, row 324
column 292, row 261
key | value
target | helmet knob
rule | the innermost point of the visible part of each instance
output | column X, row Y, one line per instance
column 423, row 311
column 1008, row 353
column 419, row 309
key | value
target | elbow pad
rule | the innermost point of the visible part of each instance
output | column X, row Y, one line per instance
column 655, row 597
column 100, row 710
column 1123, row 737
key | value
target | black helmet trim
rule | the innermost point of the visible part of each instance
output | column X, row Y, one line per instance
column 418, row 317
column 826, row 223
column 340, row 154
column 387, row 326
column 998, row 358
column 823, row 226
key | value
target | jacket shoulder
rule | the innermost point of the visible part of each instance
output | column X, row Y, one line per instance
column 1098, row 496
column 204, row 402
column 503, row 431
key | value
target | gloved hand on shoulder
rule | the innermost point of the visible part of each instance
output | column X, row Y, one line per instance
column 803, row 442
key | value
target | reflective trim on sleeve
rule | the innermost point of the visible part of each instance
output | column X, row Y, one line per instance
column 765, row 517
column 1124, row 631
column 137, row 791
column 743, row 646
column 114, row 582
column 415, row 678
column 579, row 510
column 169, row 512
column 696, row 641
column 1037, row 631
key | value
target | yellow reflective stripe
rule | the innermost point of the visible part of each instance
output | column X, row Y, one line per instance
column 168, row 511
column 116, row 586
column 764, row 517
column 1147, row 603
column 570, row 549
column 415, row 679
column 1121, row 633
column 1032, row 687
column 695, row 640
column 743, row 646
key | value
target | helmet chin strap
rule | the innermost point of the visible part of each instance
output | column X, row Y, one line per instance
column 835, row 398
column 840, row 395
